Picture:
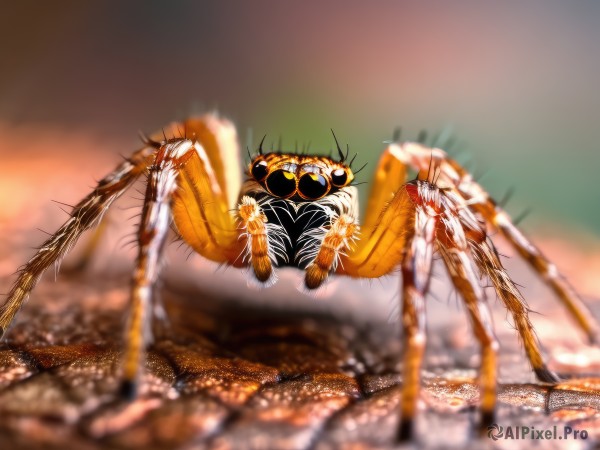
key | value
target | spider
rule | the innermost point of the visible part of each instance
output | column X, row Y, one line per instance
column 301, row 210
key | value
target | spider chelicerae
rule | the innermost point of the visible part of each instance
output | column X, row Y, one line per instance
column 302, row 211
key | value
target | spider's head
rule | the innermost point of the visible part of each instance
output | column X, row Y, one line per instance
column 286, row 175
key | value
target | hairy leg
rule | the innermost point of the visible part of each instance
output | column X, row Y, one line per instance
column 254, row 224
column 85, row 214
column 90, row 247
column 184, row 184
column 489, row 264
column 416, row 274
column 153, row 229
column 334, row 242
column 547, row 270
column 453, row 175
column 382, row 247
column 465, row 280
column 207, row 184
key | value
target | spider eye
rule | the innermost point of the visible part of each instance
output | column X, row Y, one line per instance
column 313, row 186
column 339, row 177
column 281, row 183
column 259, row 170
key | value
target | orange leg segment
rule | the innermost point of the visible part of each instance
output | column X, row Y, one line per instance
column 336, row 240
column 416, row 273
column 255, row 223
column 465, row 280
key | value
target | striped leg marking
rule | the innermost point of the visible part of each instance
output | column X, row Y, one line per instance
column 416, row 273
column 86, row 214
column 466, row 282
column 336, row 240
column 254, row 222
column 153, row 229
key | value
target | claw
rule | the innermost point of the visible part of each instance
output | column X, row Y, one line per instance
column 487, row 418
column 128, row 390
column 546, row 375
column 405, row 430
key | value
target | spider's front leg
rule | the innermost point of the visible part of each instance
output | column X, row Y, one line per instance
column 403, row 232
column 411, row 220
column 153, row 230
column 186, row 183
column 416, row 273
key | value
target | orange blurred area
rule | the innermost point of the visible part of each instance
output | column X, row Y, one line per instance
column 517, row 82
column 48, row 163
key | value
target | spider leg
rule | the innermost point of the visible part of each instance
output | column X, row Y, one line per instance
column 545, row 268
column 416, row 274
column 220, row 155
column 334, row 241
column 388, row 223
column 184, row 183
column 403, row 233
column 454, row 175
column 202, row 205
column 153, row 230
column 386, row 238
column 465, row 280
column 389, row 176
column 90, row 247
column 220, row 146
column 466, row 226
column 87, row 213
column 489, row 264
column 382, row 245
column 258, row 249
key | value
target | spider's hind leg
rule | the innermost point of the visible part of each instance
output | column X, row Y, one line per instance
column 547, row 270
column 87, row 213
column 419, row 158
column 489, row 264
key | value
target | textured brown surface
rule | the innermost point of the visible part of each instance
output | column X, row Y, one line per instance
column 228, row 373
column 218, row 381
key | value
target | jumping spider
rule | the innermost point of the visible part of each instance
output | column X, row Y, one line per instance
column 302, row 211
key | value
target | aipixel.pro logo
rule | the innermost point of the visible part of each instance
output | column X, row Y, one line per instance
column 497, row 432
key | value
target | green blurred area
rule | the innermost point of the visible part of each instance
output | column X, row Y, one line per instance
column 517, row 82
column 547, row 179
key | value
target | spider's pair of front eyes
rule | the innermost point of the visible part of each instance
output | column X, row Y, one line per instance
column 284, row 184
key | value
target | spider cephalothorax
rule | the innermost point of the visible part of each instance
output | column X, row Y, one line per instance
column 302, row 211
column 300, row 177
column 299, row 197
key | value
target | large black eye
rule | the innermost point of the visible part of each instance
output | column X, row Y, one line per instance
column 339, row 177
column 281, row 183
column 259, row 170
column 312, row 186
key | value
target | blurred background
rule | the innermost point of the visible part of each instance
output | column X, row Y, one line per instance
column 516, row 81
